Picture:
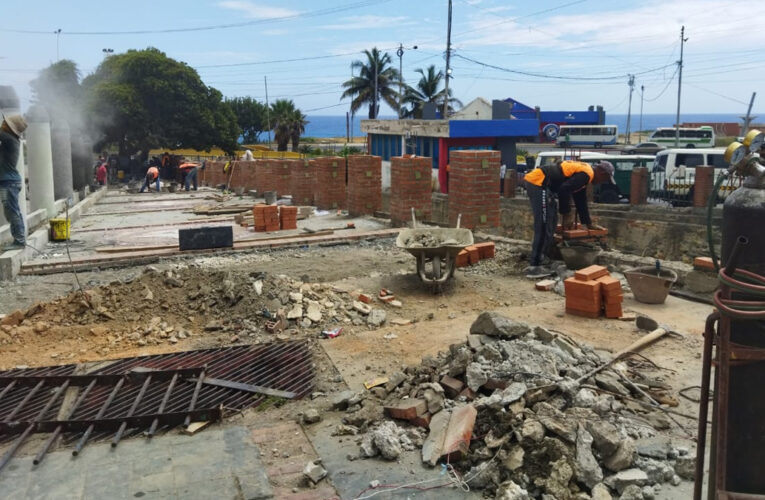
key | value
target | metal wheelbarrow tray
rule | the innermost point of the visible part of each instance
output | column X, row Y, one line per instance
column 435, row 246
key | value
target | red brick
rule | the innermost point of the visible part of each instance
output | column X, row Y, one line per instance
column 485, row 250
column 421, row 420
column 575, row 287
column 473, row 188
column 452, row 386
column 583, row 314
column 545, row 285
column 407, row 409
column 463, row 258
column 363, row 297
column 590, row 273
column 613, row 299
column 609, row 284
column 703, row 263
column 576, row 233
column 468, row 393
column 597, row 232
column 614, row 310
column 473, row 255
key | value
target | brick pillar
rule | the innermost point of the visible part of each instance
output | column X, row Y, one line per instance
column 703, row 185
column 364, row 184
column 264, row 176
column 410, row 187
column 281, row 173
column 511, row 182
column 473, row 188
column 302, row 181
column 639, row 186
column 330, row 183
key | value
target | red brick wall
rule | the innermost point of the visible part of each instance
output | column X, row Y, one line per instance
column 266, row 177
column 410, row 187
column 364, row 184
column 281, row 172
column 240, row 174
column 302, row 181
column 473, row 188
column 330, row 183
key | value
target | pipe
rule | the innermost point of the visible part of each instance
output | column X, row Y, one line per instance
column 730, row 268
column 706, row 373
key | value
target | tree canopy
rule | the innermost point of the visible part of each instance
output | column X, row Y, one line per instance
column 288, row 122
column 362, row 88
column 143, row 99
column 251, row 117
column 427, row 90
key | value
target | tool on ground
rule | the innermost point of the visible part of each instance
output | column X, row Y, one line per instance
column 349, row 225
column 644, row 323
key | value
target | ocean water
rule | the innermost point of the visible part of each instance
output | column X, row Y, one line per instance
column 335, row 126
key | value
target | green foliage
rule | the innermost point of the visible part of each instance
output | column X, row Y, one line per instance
column 288, row 122
column 251, row 117
column 361, row 89
column 143, row 99
column 427, row 91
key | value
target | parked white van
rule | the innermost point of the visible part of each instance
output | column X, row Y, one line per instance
column 550, row 157
column 674, row 172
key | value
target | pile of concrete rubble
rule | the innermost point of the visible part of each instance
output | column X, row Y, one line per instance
column 507, row 410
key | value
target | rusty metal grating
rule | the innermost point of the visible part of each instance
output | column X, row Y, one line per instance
column 146, row 394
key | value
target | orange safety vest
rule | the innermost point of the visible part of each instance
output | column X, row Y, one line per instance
column 153, row 172
column 568, row 168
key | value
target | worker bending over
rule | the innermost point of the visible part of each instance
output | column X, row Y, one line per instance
column 567, row 179
column 190, row 172
column 152, row 175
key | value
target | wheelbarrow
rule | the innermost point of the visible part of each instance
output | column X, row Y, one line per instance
column 435, row 249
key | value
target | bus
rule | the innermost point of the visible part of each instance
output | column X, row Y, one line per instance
column 587, row 135
column 701, row 137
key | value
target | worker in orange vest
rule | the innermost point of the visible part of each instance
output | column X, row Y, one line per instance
column 152, row 175
column 567, row 179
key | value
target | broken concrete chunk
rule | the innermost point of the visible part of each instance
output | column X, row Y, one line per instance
column 474, row 341
column 314, row 313
column 560, row 426
column 658, row 447
column 475, row 376
column 376, row 318
column 386, row 439
column 434, row 399
column 434, row 443
column 296, row 312
column 311, row 416
column 514, row 458
column 459, row 432
column 606, row 437
column 532, row 430
column 601, row 492
column 628, row 477
column 632, row 492
column 361, row 307
column 395, row 380
column 315, row 472
column 623, row 457
column 511, row 491
column 685, row 467
column 496, row 325
column 611, row 383
column 543, row 334
column 586, row 467
column 341, row 400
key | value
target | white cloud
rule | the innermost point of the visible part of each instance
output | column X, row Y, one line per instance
column 369, row 22
column 257, row 11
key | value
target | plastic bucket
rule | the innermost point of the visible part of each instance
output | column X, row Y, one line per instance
column 59, row 229
column 649, row 286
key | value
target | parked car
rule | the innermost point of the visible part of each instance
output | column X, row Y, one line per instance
column 643, row 148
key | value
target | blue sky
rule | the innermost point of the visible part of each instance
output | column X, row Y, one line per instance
column 564, row 41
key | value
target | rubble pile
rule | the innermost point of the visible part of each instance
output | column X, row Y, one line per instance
column 506, row 408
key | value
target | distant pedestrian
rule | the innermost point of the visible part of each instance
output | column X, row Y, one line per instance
column 152, row 175
column 247, row 156
column 101, row 174
column 10, row 179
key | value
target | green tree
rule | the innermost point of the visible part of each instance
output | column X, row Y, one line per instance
column 361, row 89
column 289, row 123
column 427, row 90
column 143, row 99
column 251, row 117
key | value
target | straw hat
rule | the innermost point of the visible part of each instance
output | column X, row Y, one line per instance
column 17, row 124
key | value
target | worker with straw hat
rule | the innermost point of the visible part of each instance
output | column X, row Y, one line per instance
column 10, row 179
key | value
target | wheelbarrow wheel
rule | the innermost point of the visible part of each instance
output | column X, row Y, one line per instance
column 436, row 267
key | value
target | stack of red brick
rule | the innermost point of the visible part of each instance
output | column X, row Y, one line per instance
column 288, row 217
column 410, row 187
column 592, row 291
column 266, row 218
column 475, row 253
column 364, row 184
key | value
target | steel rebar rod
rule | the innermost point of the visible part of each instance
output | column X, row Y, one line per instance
column 46, row 446
column 194, row 397
column 162, row 405
column 7, row 388
column 24, row 401
column 123, row 426
column 84, row 439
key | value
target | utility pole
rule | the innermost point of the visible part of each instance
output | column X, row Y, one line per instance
column 375, row 99
column 352, row 114
column 448, row 61
column 58, row 34
column 640, row 132
column 679, row 85
column 631, row 83
column 748, row 118
column 268, row 112
column 400, row 54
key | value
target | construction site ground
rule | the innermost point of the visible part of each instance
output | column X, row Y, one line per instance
column 272, row 437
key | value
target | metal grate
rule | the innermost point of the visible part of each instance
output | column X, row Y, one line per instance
column 148, row 393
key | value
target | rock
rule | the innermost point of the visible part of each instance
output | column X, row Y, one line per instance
column 173, row 282
column 345, row 430
column 341, row 400
column 172, row 340
column 532, row 430
column 611, row 383
column 41, row 327
column 367, row 445
column 514, row 458
column 510, row 491
column 475, row 376
column 296, row 297
column 489, row 353
column 658, row 447
column 648, row 492
column 623, row 457
column 386, row 440
column 213, row 326
column 431, row 448
column 311, row 416
column 376, row 318
column 660, row 421
column 13, row 319
column 685, row 467
column 394, row 381
column 543, row 334
column 296, row 312
column 606, row 437
column 628, row 477
column 315, row 472
column 314, row 313
column 496, row 325
column 258, row 287
column 658, row 471
column 632, row 492
column 502, row 398
column 564, row 428
column 675, row 481
column 585, row 398
column 557, row 482
column 600, row 492
column 361, row 307
column 586, row 467
column 434, row 399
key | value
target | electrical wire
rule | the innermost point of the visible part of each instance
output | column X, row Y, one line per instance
column 718, row 95
column 665, row 87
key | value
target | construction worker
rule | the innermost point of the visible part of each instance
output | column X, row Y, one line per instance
column 10, row 179
column 152, row 175
column 567, row 179
column 190, row 172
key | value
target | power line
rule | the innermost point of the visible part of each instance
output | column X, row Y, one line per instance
column 325, row 107
column 278, row 61
column 537, row 13
column 665, row 87
column 299, row 15
column 718, row 94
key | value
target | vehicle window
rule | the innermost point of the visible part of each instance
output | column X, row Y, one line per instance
column 548, row 160
column 660, row 163
column 689, row 160
column 706, row 134
column 716, row 160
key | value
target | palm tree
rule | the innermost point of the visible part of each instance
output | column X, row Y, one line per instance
column 427, row 91
column 361, row 89
column 289, row 122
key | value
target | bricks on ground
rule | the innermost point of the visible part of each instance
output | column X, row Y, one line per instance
column 410, row 187
column 364, row 184
column 473, row 254
column 288, row 217
column 473, row 188
column 330, row 193
column 592, row 291
column 266, row 218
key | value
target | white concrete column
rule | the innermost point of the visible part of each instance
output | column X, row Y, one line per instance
column 40, row 161
column 61, row 146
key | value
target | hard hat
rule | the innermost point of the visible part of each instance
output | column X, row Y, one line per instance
column 17, row 124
